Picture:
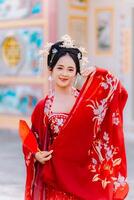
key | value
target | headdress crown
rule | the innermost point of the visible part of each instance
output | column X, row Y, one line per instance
column 67, row 43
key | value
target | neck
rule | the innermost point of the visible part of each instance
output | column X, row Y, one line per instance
column 65, row 91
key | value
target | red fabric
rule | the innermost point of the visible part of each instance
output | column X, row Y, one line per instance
column 39, row 129
column 89, row 155
column 27, row 137
column 53, row 194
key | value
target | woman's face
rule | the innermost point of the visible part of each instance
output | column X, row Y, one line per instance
column 64, row 72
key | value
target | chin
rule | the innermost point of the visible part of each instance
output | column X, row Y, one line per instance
column 64, row 85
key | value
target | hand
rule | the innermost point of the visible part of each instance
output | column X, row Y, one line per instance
column 87, row 71
column 43, row 156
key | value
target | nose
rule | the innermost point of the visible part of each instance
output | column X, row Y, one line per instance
column 64, row 72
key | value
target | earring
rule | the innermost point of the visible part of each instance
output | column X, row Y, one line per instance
column 50, row 85
column 76, row 81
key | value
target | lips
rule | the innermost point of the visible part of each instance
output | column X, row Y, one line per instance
column 63, row 79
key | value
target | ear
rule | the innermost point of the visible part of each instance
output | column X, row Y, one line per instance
column 49, row 71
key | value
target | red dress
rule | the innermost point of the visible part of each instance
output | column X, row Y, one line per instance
column 56, row 121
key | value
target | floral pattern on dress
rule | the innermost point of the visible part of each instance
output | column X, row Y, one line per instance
column 104, row 161
column 115, row 118
column 110, row 82
column 104, row 157
column 56, row 121
column 48, row 104
column 119, row 181
column 100, row 107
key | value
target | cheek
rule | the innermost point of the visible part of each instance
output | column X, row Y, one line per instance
column 54, row 74
column 73, row 74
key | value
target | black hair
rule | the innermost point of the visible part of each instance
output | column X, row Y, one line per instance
column 57, row 51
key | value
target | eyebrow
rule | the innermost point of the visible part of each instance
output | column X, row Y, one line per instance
column 68, row 67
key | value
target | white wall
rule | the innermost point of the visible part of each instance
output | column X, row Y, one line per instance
column 62, row 17
column 122, row 21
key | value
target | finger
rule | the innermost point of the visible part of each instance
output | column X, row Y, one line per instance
column 92, row 68
column 43, row 162
column 83, row 70
column 51, row 151
column 46, row 153
column 47, row 158
column 88, row 71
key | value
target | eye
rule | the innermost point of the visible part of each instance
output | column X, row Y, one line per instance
column 71, row 70
column 59, row 68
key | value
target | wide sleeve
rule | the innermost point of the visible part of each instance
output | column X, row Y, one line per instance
column 29, row 156
column 108, row 157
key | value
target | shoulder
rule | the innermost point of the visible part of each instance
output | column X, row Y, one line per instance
column 38, row 110
column 39, row 105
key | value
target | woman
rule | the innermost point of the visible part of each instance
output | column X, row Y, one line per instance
column 79, row 133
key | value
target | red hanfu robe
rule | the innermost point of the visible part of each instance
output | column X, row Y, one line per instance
column 89, row 158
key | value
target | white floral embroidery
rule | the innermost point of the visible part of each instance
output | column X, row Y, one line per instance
column 103, row 161
column 94, row 161
column 105, row 85
column 99, row 110
column 106, row 137
column 60, row 122
column 48, row 104
column 120, row 181
column 27, row 159
column 110, row 82
column 109, row 153
column 99, row 145
column 100, row 107
column 56, row 129
column 115, row 118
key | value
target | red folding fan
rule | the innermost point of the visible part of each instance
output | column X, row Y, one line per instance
column 27, row 137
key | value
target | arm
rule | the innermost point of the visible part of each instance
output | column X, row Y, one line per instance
column 37, row 129
column 29, row 156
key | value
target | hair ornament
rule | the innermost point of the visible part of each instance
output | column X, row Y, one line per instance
column 54, row 51
column 67, row 42
column 46, row 49
column 79, row 56
column 83, row 50
column 84, row 62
